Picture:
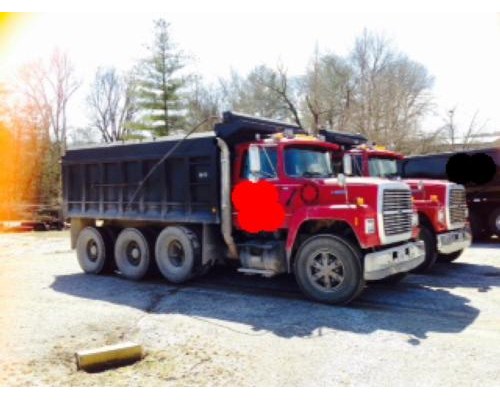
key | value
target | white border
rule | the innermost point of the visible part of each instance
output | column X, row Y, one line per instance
column 263, row 6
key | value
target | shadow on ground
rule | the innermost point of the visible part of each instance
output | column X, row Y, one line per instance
column 490, row 243
column 275, row 305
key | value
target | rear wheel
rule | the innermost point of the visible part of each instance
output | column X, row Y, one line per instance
column 94, row 250
column 178, row 253
column 133, row 253
column 446, row 258
column 328, row 270
column 429, row 239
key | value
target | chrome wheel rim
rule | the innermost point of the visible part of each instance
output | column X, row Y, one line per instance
column 325, row 271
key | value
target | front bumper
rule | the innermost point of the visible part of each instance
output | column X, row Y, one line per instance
column 453, row 241
column 403, row 258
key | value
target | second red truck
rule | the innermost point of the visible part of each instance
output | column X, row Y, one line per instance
column 441, row 204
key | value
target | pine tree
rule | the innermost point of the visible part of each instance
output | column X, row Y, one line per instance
column 159, row 83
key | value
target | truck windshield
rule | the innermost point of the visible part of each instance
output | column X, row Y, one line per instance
column 382, row 167
column 308, row 162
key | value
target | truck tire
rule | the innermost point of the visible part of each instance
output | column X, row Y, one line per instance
column 328, row 270
column 178, row 253
column 477, row 226
column 494, row 222
column 427, row 235
column 447, row 258
column 133, row 253
column 94, row 250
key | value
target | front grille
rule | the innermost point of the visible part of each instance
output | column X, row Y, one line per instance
column 458, row 206
column 397, row 211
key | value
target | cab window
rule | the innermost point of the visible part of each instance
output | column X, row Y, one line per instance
column 268, row 163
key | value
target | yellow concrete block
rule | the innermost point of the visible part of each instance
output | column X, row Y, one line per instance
column 108, row 356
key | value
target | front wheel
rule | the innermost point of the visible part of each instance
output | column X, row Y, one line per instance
column 429, row 239
column 447, row 258
column 328, row 270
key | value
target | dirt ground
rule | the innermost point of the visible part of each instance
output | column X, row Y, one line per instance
column 230, row 329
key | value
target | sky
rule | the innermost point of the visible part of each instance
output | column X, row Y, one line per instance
column 461, row 50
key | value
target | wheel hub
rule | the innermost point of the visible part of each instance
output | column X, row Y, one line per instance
column 175, row 253
column 133, row 253
column 92, row 250
column 325, row 270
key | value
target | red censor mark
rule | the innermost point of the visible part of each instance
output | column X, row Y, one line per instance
column 258, row 206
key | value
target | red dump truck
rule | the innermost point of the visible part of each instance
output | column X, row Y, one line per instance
column 174, row 203
column 441, row 205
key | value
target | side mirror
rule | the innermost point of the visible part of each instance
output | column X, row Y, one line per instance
column 342, row 179
column 254, row 162
column 347, row 164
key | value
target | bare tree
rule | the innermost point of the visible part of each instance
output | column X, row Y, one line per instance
column 278, row 82
column 451, row 127
column 112, row 104
column 49, row 87
column 204, row 104
column 474, row 127
column 327, row 89
column 391, row 92
column 376, row 90
column 45, row 89
column 473, row 130
column 264, row 92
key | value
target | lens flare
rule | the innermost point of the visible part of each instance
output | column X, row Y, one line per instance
column 12, row 27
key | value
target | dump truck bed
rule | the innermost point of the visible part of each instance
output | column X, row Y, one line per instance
column 101, row 182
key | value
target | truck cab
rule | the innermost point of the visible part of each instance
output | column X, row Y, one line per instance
column 327, row 216
column 441, row 204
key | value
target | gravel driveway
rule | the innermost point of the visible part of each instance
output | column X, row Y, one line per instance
column 230, row 329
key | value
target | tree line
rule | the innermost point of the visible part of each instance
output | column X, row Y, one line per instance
column 375, row 90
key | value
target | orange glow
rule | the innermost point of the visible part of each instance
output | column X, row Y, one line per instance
column 7, row 184
column 23, row 144
column 21, row 151
column 12, row 27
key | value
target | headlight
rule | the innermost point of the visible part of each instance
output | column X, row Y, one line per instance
column 441, row 215
column 414, row 219
column 369, row 226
